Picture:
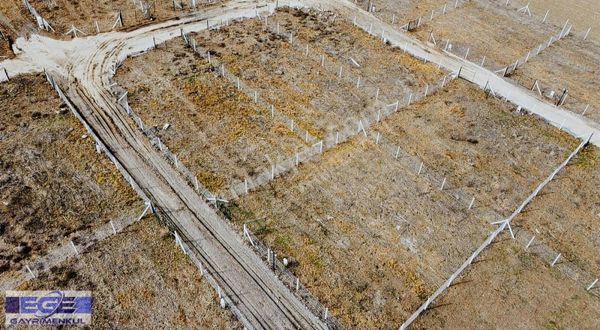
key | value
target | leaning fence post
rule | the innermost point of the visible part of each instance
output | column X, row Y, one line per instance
column 587, row 33
column 471, row 204
column 29, row 270
column 530, row 242
column 74, row 248
column 113, row 227
column 592, row 285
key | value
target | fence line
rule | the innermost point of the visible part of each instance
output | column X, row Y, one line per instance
column 542, row 250
column 121, row 98
column 359, row 125
column 566, row 100
column 283, row 274
column 100, row 146
column 502, row 226
column 448, row 7
column 508, row 69
column 82, row 241
column 268, row 109
column 41, row 22
column 118, row 20
column 342, row 71
column 526, row 10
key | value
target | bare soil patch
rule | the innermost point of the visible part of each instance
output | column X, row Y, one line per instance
column 52, row 181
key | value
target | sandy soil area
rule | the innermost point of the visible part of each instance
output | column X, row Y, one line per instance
column 509, row 288
column 214, row 129
column 140, row 279
column 486, row 29
column 480, row 144
column 571, row 64
column 52, row 181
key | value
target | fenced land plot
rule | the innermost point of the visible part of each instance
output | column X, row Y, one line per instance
column 399, row 12
column 479, row 143
column 514, row 288
column 52, row 183
column 140, row 279
column 83, row 14
column 566, row 216
column 379, row 66
column 214, row 129
column 582, row 13
column 306, row 88
column 572, row 64
column 482, row 28
column 369, row 239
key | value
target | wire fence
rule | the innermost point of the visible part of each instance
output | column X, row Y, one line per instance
column 121, row 97
column 502, row 226
column 447, row 7
column 269, row 110
column 563, row 99
column 80, row 242
column 524, row 8
column 259, row 247
column 289, row 279
column 358, row 125
column 41, row 22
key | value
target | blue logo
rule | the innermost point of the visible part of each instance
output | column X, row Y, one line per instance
column 48, row 307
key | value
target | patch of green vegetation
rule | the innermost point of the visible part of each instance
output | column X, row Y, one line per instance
column 262, row 229
column 283, row 242
column 315, row 260
column 587, row 158
column 551, row 325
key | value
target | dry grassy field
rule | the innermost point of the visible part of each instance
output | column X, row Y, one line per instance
column 583, row 14
column 373, row 225
column 369, row 236
column 140, row 279
column 84, row 14
column 53, row 183
column 571, row 64
column 512, row 289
